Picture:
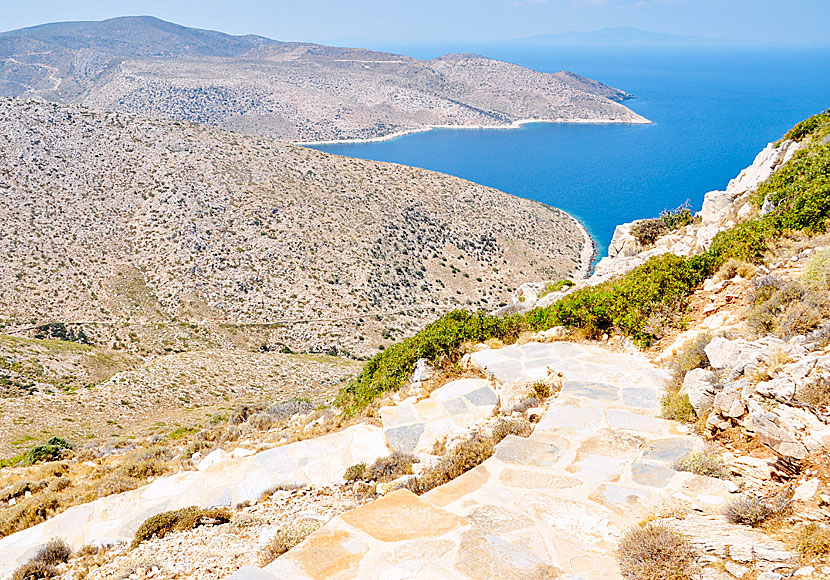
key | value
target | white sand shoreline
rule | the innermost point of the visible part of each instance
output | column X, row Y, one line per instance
column 514, row 125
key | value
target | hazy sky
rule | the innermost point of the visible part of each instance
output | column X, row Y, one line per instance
column 791, row 21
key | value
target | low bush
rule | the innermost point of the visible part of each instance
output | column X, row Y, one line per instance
column 790, row 310
column 811, row 540
column 702, row 463
column 732, row 268
column 808, row 126
column 647, row 231
column 28, row 512
column 677, row 407
column 159, row 525
column 467, row 454
column 34, row 570
column 815, row 392
column 657, row 552
column 391, row 467
column 390, row 369
column 753, row 511
column 355, row 472
column 55, row 552
column 816, row 275
column 286, row 538
column 53, row 450
column 557, row 286
column 692, row 355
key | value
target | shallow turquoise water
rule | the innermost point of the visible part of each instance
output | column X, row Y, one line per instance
column 713, row 110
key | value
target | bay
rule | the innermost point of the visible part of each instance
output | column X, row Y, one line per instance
column 712, row 109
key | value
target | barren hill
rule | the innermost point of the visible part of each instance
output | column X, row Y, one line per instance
column 114, row 219
column 297, row 91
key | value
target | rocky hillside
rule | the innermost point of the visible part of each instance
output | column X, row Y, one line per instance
column 296, row 91
column 109, row 218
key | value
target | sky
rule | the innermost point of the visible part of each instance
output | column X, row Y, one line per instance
column 436, row 21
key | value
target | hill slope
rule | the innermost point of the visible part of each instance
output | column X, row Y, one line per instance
column 298, row 91
column 110, row 218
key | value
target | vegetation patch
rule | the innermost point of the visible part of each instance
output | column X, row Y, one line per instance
column 647, row 231
column 657, row 552
column 650, row 299
column 286, row 538
column 811, row 540
column 703, row 463
column 159, row 525
column 753, row 511
column 467, row 454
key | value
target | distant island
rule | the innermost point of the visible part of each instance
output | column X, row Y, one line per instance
column 294, row 91
column 628, row 36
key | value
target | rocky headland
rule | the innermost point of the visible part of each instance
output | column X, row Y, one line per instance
column 293, row 91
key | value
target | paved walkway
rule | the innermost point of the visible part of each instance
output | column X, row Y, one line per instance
column 550, row 506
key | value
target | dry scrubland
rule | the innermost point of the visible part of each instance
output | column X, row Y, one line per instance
column 142, row 227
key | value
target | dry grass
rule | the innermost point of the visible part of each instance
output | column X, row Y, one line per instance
column 389, row 468
column 754, row 512
column 467, row 454
column 703, row 463
column 788, row 310
column 811, row 540
column 732, row 268
column 286, row 538
column 656, row 552
column 816, row 392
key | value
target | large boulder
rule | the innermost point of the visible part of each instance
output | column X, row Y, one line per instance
column 728, row 402
column 733, row 355
column 701, row 386
column 777, row 438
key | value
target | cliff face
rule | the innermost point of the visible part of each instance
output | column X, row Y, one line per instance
column 297, row 91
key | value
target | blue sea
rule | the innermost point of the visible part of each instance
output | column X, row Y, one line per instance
column 713, row 110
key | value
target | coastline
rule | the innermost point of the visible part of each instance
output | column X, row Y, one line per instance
column 588, row 252
column 514, row 125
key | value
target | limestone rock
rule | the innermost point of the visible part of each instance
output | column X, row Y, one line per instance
column 701, row 385
column 731, row 354
column 423, row 371
column 776, row 438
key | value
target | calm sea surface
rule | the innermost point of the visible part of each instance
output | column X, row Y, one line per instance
column 713, row 110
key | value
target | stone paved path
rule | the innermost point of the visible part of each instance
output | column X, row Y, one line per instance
column 320, row 461
column 550, row 506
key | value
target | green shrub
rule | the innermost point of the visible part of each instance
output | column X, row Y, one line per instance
column 702, row 463
column 647, row 231
column 817, row 273
column 677, row 407
column 628, row 303
column 159, row 525
column 390, row 369
column 355, row 472
column 656, row 552
column 43, row 453
column 808, row 126
column 555, row 287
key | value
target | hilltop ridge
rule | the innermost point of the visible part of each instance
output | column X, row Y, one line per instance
column 289, row 90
